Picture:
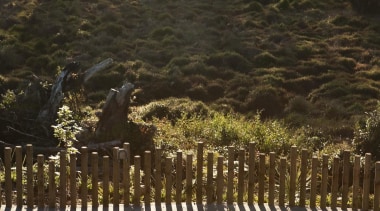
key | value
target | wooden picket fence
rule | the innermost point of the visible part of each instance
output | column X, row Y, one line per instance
column 245, row 176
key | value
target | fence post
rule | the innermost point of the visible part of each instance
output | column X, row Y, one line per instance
column 261, row 179
column 178, row 187
column 346, row 178
column 147, row 175
column 335, row 183
column 281, row 194
column 376, row 198
column 199, row 181
column 355, row 183
column 8, row 179
column 29, row 176
column 210, row 186
column 251, row 172
column 324, row 182
column 293, row 176
column 106, row 181
column 366, row 181
column 52, row 186
column 73, row 182
column 304, row 168
column 95, row 177
column 189, row 178
column 116, row 176
column 219, row 181
column 84, row 169
column 19, row 189
column 230, row 182
column 40, row 181
column 272, row 172
column 313, row 183
column 62, row 179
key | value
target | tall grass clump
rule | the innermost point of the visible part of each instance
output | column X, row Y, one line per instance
column 219, row 130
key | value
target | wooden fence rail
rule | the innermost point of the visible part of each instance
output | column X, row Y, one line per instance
column 245, row 176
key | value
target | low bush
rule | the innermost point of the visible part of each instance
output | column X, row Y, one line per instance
column 230, row 60
column 367, row 134
column 219, row 130
column 268, row 100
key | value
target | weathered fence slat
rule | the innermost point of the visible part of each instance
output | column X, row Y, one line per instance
column 29, row 176
column 157, row 176
column 199, row 182
column 313, row 182
column 147, row 175
column 106, row 181
column 366, row 181
column 240, row 185
column 303, row 174
column 168, row 177
column 325, row 172
column 209, row 178
column 345, row 178
column 281, row 193
column 272, row 171
column 355, row 182
column 73, row 183
column 115, row 176
column 178, row 185
column 335, row 183
column 230, row 175
column 84, row 174
column 189, row 177
column 274, row 179
column 19, row 187
column 126, row 169
column 40, row 181
column 219, row 181
column 251, row 172
column 95, row 177
column 52, row 186
column 261, row 192
column 376, row 197
column 62, row 179
column 293, row 176
column 8, row 179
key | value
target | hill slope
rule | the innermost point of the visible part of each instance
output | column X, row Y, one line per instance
column 309, row 62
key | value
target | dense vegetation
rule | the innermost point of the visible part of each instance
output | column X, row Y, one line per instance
column 277, row 72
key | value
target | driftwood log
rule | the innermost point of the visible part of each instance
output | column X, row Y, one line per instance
column 70, row 78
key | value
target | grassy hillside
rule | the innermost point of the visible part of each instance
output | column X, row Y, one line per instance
column 311, row 63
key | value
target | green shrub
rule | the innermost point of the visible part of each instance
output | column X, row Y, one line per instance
column 171, row 108
column 266, row 99
column 367, row 134
column 231, row 60
column 265, row 59
column 220, row 130
column 254, row 6
column 160, row 33
column 299, row 105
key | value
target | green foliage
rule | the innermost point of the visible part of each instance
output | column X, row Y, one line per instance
column 7, row 99
column 367, row 134
column 171, row 109
column 66, row 129
column 231, row 60
column 220, row 130
column 265, row 59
